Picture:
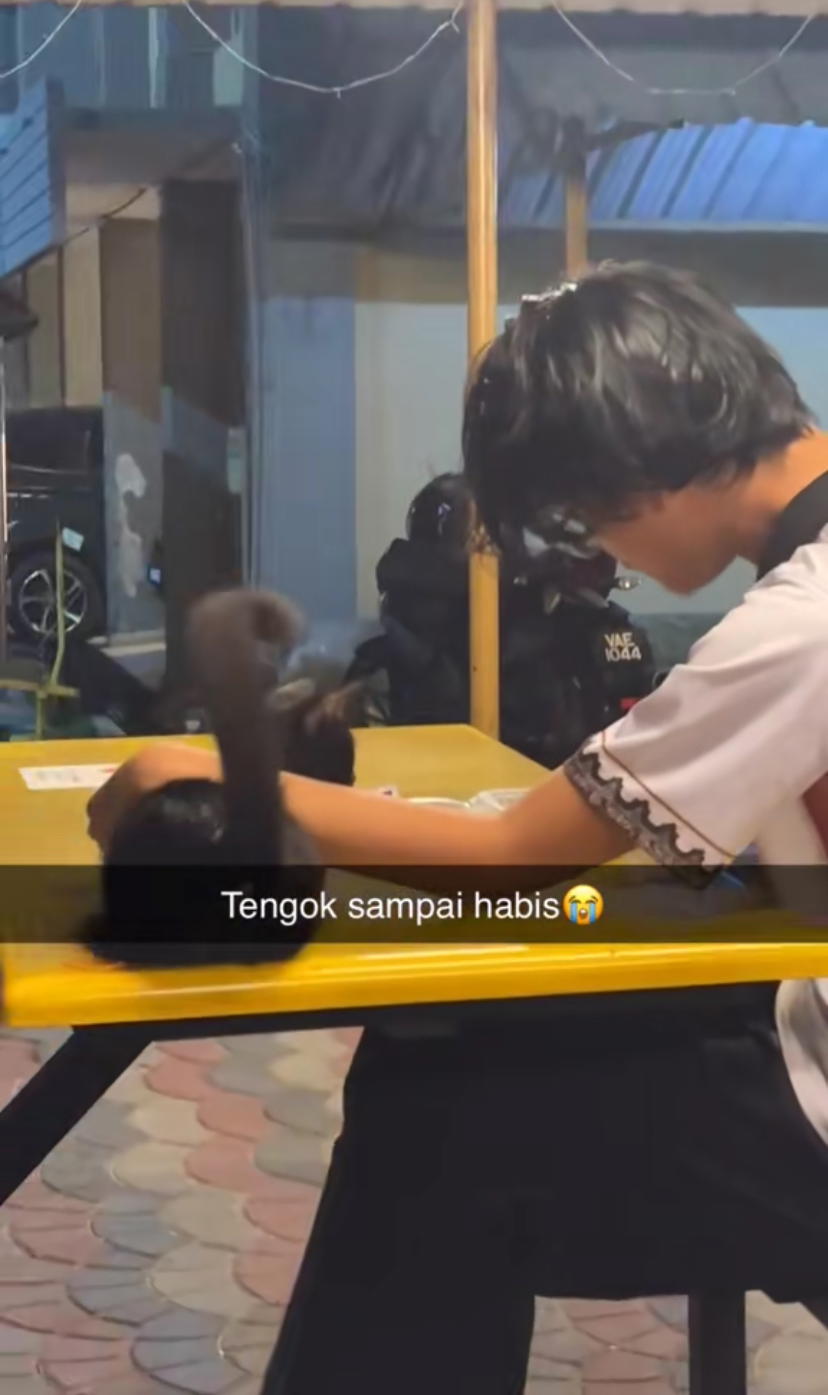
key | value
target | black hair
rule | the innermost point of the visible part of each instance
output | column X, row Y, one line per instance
column 173, row 855
column 633, row 379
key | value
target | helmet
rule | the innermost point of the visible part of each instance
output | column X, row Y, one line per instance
column 441, row 512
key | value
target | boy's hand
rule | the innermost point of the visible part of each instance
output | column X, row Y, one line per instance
column 147, row 771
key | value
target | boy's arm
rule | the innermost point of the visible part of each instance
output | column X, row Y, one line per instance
column 554, row 826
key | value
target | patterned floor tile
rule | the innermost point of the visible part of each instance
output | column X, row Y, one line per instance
column 588, row 1308
column 152, row 1167
column 550, row 1316
column 204, row 1053
column 158, row 1254
column 323, row 1045
column 121, row 1295
column 209, row 1377
column 78, row 1170
column 619, row 1329
column 670, row 1310
column 167, row 1120
column 175, row 1361
column 132, row 1088
column 791, row 1364
column 34, row 1385
column 243, row 1075
column 286, row 1153
column 237, row 1116
column 180, row 1079
column 288, row 1214
column 247, row 1387
column 663, row 1341
column 75, row 1244
column 308, row 1072
column 140, row 1234
column 554, row 1387
column 78, row 1376
column 18, row 1342
column 135, row 1383
column 181, row 1324
column 18, row 1058
column 107, row 1126
column 659, row 1386
column 58, row 1347
column 258, row 1045
column 348, row 1036
column 541, row 1368
column 62, row 1316
column 202, row 1279
column 613, row 1364
column 566, row 1344
column 249, row 1344
column 34, row 1196
column 268, row 1277
column 18, row 1267
column 300, row 1109
column 212, row 1216
column 228, row 1162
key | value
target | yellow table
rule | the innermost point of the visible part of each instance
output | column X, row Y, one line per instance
column 61, row 985
column 115, row 1014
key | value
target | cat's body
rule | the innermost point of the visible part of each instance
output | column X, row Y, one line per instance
column 183, row 847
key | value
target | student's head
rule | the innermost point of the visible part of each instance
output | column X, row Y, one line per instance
column 633, row 401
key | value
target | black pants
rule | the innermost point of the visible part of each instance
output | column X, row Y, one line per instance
column 613, row 1153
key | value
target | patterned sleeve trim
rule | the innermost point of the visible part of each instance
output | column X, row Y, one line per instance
column 616, row 793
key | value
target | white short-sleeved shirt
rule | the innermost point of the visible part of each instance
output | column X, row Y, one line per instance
column 731, row 751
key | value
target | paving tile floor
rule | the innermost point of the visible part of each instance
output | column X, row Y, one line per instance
column 156, row 1249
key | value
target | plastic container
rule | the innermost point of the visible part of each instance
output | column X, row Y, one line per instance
column 494, row 801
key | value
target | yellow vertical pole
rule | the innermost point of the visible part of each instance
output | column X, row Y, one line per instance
column 576, row 202
column 481, row 233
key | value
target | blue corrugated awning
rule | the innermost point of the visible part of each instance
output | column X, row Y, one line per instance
column 393, row 154
column 32, row 192
column 741, row 176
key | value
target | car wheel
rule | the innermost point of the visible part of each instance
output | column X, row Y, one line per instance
column 32, row 597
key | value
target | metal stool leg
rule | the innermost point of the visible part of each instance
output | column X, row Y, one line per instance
column 716, row 1331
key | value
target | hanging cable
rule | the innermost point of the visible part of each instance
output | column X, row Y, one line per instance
column 341, row 88
column 42, row 47
column 729, row 91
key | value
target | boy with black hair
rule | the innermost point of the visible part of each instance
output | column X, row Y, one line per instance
column 626, row 1151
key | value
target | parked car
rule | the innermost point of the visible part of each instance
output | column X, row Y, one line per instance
column 55, row 472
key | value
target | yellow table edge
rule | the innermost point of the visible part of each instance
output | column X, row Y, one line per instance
column 328, row 978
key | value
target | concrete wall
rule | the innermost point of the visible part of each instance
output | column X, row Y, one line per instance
column 131, row 335
column 43, row 346
column 82, row 342
column 303, row 490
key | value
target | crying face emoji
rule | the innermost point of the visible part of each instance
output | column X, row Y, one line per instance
column 583, row 905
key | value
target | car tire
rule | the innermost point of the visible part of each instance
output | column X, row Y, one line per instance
column 32, row 593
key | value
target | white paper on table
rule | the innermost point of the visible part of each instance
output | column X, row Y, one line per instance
column 66, row 777
column 91, row 777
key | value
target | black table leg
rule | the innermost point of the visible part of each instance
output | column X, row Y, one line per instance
column 716, row 1331
column 65, row 1087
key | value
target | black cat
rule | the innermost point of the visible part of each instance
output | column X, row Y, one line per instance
column 177, row 854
